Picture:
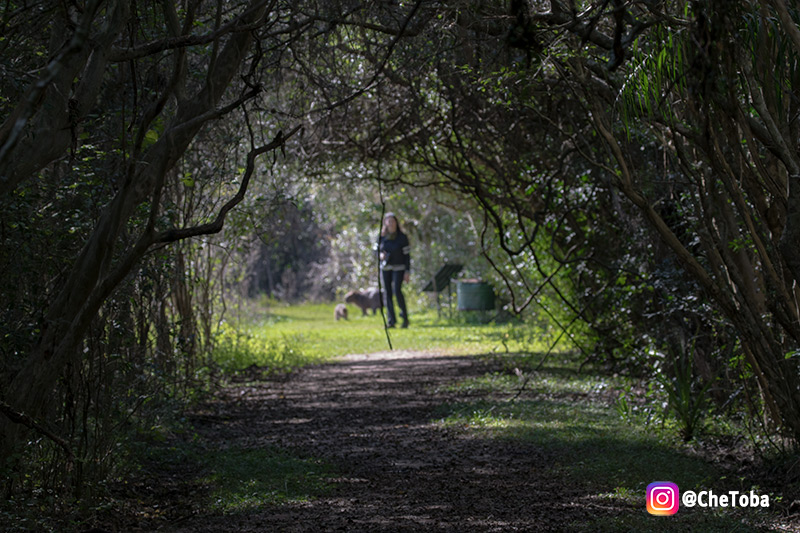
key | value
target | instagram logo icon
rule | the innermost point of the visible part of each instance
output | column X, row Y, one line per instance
column 662, row 498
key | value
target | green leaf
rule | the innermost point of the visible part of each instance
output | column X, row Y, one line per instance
column 150, row 138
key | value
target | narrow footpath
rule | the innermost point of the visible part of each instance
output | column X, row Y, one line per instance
column 374, row 418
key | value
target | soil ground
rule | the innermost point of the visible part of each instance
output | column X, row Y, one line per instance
column 373, row 418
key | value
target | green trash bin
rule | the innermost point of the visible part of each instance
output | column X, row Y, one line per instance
column 475, row 295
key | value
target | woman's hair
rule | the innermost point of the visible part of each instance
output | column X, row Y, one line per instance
column 385, row 218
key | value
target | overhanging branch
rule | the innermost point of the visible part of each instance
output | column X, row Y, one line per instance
column 217, row 224
column 19, row 417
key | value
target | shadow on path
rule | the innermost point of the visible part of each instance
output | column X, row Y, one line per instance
column 372, row 418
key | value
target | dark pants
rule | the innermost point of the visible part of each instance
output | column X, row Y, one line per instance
column 392, row 285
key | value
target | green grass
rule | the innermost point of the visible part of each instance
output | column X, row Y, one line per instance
column 571, row 417
column 573, row 421
column 186, row 475
column 589, row 442
column 247, row 479
column 282, row 337
column 549, row 381
column 236, row 479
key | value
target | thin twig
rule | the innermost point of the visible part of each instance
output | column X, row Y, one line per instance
column 18, row 417
column 380, row 222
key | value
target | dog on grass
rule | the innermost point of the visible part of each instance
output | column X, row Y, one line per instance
column 340, row 311
column 369, row 299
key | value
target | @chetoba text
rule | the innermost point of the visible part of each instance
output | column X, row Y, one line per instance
column 664, row 498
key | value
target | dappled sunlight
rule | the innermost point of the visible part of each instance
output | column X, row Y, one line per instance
column 610, row 462
column 592, row 210
column 590, row 439
column 407, row 448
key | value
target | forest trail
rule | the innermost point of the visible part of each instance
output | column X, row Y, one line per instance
column 374, row 418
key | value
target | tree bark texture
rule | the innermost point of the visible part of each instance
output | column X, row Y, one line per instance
column 100, row 266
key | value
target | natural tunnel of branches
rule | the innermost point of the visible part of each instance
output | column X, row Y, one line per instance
column 627, row 169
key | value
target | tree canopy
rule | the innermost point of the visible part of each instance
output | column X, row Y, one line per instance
column 630, row 169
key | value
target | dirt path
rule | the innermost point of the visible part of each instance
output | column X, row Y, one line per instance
column 372, row 417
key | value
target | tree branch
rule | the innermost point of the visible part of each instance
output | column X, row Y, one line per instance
column 19, row 417
column 11, row 130
column 789, row 26
column 216, row 226
column 118, row 55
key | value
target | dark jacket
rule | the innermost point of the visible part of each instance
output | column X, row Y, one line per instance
column 397, row 252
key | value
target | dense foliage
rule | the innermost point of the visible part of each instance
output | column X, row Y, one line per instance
column 636, row 159
column 625, row 171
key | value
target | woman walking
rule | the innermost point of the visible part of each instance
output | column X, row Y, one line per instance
column 395, row 258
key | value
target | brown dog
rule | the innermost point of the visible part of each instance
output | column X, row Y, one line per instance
column 340, row 311
column 369, row 299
